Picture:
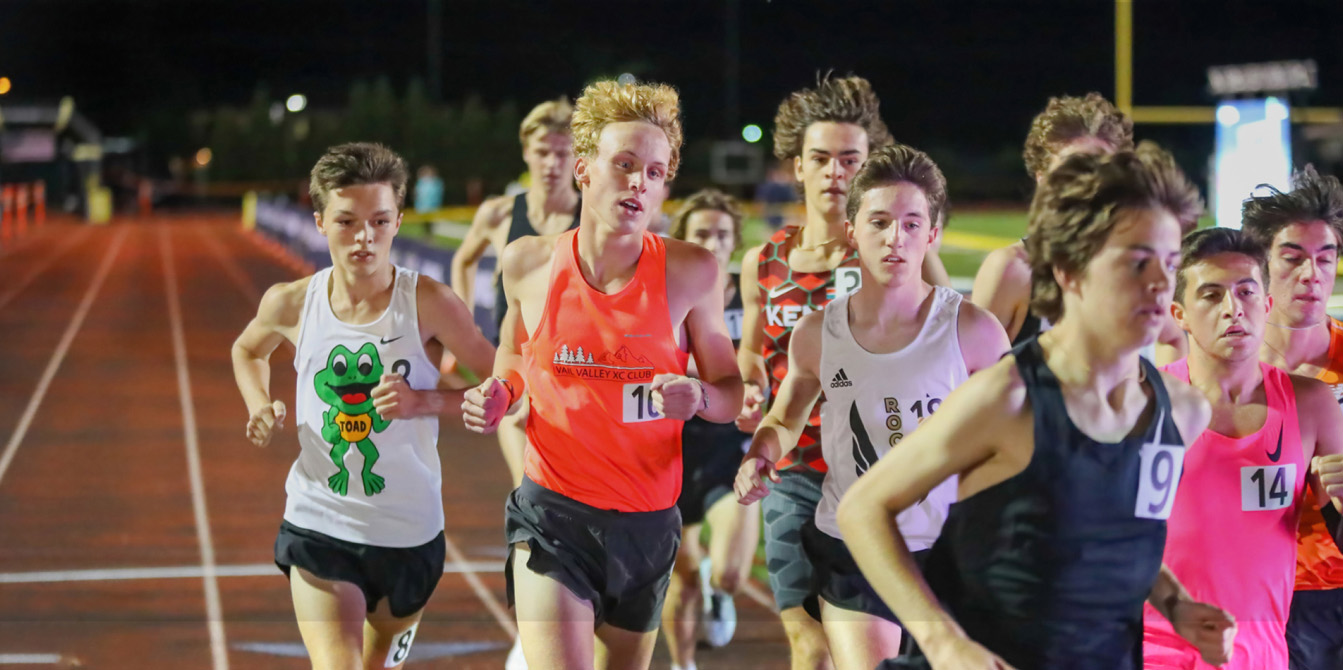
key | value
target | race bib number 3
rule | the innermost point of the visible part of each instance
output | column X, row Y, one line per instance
column 637, row 404
column 1157, row 480
column 1269, row 487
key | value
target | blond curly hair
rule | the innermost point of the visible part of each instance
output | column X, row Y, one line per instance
column 552, row 115
column 607, row 102
column 1067, row 118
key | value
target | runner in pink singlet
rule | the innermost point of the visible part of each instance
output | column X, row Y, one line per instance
column 1231, row 536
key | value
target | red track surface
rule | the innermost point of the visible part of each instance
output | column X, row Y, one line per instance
column 94, row 468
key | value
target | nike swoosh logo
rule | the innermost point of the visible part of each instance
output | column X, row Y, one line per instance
column 387, row 341
column 1276, row 453
column 779, row 290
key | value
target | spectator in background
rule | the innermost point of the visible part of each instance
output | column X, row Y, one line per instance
column 428, row 190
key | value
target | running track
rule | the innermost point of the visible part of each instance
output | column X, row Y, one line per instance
column 136, row 522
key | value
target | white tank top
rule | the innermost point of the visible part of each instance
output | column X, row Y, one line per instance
column 872, row 401
column 392, row 489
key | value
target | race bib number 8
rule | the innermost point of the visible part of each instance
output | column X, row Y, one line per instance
column 400, row 650
column 1157, row 480
column 637, row 404
column 1264, row 488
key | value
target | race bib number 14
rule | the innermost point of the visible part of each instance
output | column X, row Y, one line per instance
column 1264, row 488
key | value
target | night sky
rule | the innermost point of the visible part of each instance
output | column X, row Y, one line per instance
column 951, row 73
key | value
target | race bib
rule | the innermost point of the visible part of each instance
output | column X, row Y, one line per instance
column 847, row 280
column 1267, row 487
column 1158, row 478
column 637, row 404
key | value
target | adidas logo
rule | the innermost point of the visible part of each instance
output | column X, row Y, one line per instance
column 840, row 381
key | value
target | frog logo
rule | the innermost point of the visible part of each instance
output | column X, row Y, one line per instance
column 346, row 384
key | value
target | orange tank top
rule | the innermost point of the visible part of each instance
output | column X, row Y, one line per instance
column 593, row 434
column 1319, row 565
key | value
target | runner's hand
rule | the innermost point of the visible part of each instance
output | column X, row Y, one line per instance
column 1211, row 630
column 750, row 484
column 1330, row 470
column 265, row 421
column 752, row 409
column 962, row 653
column 676, row 397
column 393, row 398
column 484, row 406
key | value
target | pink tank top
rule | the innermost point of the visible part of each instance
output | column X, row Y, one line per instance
column 1231, row 537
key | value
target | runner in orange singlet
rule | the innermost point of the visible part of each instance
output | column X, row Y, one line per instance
column 599, row 338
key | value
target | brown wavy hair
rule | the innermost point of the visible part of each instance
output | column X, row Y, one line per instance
column 1068, row 118
column 607, row 102
column 708, row 199
column 1078, row 204
column 845, row 100
column 894, row 164
column 357, row 163
column 1312, row 197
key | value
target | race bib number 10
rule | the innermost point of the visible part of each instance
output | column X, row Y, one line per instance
column 637, row 404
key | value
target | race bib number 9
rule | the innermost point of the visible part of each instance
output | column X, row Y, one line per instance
column 1264, row 488
column 1157, row 480
column 637, row 404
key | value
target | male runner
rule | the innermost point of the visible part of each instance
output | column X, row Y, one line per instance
column 1301, row 230
column 1068, row 453
column 710, row 453
column 599, row 337
column 1067, row 124
column 363, row 550
column 885, row 357
column 549, row 206
column 1244, row 475
column 826, row 132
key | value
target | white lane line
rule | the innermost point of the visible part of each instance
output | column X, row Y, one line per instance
column 491, row 603
column 27, row 279
column 230, row 265
column 31, row 659
column 191, row 572
column 58, row 356
column 213, row 611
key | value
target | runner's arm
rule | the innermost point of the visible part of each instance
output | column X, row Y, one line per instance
column 443, row 317
column 1003, row 287
column 468, row 255
column 1211, row 630
column 276, row 320
column 749, row 359
column 1316, row 404
column 982, row 339
column 782, row 427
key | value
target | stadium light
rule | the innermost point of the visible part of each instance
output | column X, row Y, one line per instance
column 5, row 85
column 752, row 133
column 204, row 156
column 1228, row 115
column 296, row 102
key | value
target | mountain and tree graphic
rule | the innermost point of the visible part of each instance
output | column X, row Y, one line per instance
column 622, row 358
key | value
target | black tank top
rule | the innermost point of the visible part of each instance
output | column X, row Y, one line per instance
column 519, row 226
column 1050, row 569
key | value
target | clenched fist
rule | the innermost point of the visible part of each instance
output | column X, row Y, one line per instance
column 265, row 421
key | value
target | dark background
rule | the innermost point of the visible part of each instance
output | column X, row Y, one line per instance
column 959, row 78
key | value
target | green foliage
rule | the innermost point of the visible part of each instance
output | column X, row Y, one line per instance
column 464, row 140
